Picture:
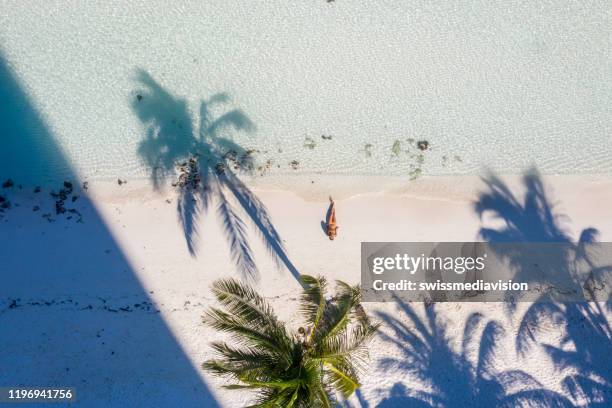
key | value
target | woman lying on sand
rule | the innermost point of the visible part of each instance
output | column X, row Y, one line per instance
column 332, row 228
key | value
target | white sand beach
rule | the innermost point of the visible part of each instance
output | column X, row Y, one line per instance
column 91, row 317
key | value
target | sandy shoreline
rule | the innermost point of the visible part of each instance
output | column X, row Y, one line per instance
column 143, row 259
column 318, row 187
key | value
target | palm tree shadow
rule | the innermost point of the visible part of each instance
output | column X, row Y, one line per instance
column 534, row 220
column 587, row 341
column 454, row 378
column 213, row 161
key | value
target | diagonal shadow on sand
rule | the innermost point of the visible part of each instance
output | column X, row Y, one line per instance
column 72, row 310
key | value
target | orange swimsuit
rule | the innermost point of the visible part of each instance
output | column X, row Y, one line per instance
column 332, row 228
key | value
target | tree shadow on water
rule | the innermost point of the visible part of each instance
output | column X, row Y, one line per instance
column 210, row 161
column 442, row 376
column 586, row 343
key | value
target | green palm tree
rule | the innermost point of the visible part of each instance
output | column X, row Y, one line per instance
column 307, row 368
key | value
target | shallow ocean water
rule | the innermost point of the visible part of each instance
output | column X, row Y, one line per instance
column 311, row 87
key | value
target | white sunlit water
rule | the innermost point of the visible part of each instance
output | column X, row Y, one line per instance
column 487, row 86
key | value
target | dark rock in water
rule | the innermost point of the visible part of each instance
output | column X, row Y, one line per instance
column 139, row 97
column 231, row 155
column 8, row 183
column 63, row 195
column 220, row 168
column 36, row 208
column 2, row 199
column 6, row 205
column 121, row 182
column 85, row 185
column 37, row 189
column 74, row 198
column 423, row 145
column 13, row 304
column 59, row 207
column 67, row 185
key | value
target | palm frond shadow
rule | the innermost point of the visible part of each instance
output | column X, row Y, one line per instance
column 532, row 219
column 171, row 139
column 586, row 344
column 584, row 349
column 441, row 376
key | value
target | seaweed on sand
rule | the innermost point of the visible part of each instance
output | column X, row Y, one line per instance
column 309, row 143
column 396, row 149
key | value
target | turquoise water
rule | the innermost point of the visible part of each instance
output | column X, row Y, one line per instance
column 338, row 88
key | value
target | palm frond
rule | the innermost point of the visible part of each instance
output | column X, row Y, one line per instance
column 343, row 289
column 285, row 370
column 243, row 301
column 342, row 378
column 244, row 333
column 312, row 303
column 337, row 315
column 351, row 347
column 245, row 358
